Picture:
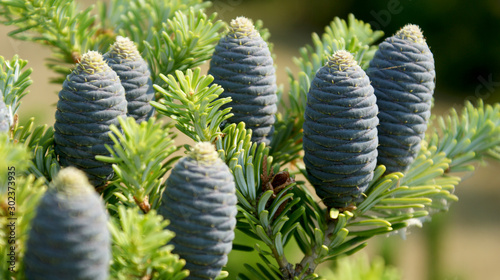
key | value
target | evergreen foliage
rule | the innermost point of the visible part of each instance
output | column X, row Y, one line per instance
column 4, row 117
column 14, row 80
column 198, row 115
column 274, row 208
column 139, row 158
column 139, row 250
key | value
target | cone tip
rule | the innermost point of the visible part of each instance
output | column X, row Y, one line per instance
column 411, row 32
column 73, row 181
column 243, row 25
column 341, row 60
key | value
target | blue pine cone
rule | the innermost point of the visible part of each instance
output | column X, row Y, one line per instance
column 340, row 131
column 403, row 76
column 4, row 116
column 200, row 202
column 243, row 66
column 91, row 99
column 69, row 237
column 125, row 60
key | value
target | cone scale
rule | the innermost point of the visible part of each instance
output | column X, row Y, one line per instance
column 340, row 131
column 243, row 66
column 91, row 99
column 200, row 202
column 403, row 76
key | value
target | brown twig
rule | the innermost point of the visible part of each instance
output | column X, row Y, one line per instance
column 144, row 204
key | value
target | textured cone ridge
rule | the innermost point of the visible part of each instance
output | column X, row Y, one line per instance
column 340, row 132
column 88, row 103
column 4, row 117
column 69, row 238
column 403, row 76
column 200, row 202
column 125, row 60
column 243, row 66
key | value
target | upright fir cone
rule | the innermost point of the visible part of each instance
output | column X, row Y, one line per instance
column 4, row 116
column 403, row 76
column 243, row 66
column 125, row 60
column 340, row 131
column 69, row 236
column 91, row 99
column 200, row 202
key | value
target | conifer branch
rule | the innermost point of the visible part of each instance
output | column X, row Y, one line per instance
column 59, row 24
column 198, row 115
column 40, row 142
column 14, row 80
column 139, row 250
column 140, row 158
column 25, row 192
column 172, row 35
column 185, row 41
column 142, row 20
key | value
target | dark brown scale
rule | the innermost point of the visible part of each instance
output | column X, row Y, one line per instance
column 275, row 182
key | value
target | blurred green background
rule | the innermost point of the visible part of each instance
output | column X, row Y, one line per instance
column 463, row 35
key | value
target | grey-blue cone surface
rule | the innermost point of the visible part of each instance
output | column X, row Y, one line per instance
column 243, row 66
column 403, row 76
column 69, row 237
column 200, row 202
column 133, row 70
column 92, row 98
column 340, row 131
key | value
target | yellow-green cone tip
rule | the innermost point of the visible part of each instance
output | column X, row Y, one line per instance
column 243, row 26
column 125, row 48
column 72, row 181
column 411, row 32
column 341, row 60
column 204, row 152
column 91, row 63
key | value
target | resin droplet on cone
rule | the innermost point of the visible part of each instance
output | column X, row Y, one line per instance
column 69, row 236
column 243, row 66
column 340, row 131
column 403, row 76
column 200, row 202
column 92, row 98
column 125, row 60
